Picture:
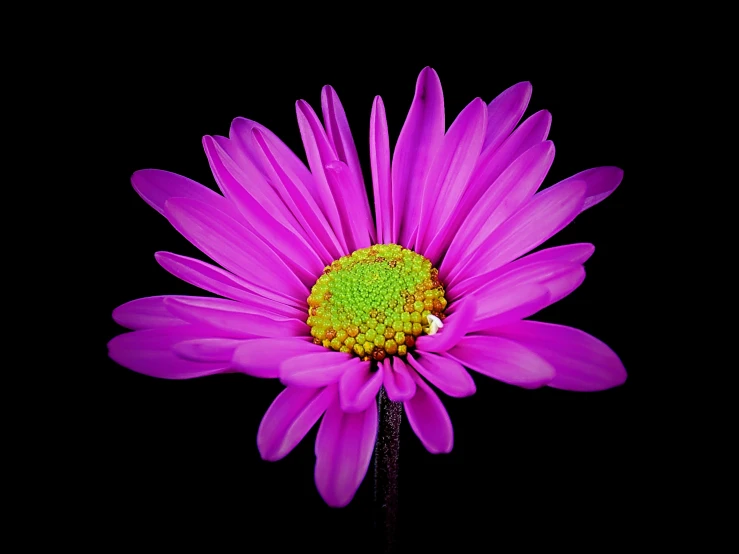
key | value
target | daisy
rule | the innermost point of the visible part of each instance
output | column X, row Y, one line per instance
column 339, row 305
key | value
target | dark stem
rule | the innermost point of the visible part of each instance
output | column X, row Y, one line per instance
column 386, row 473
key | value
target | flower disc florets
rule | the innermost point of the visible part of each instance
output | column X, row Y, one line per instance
column 375, row 302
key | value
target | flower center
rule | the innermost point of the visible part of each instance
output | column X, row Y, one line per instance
column 375, row 302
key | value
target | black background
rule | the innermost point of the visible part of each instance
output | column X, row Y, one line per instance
column 166, row 460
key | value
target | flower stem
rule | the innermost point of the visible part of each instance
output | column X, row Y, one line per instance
column 386, row 473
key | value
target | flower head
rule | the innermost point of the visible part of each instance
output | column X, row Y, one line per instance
column 336, row 304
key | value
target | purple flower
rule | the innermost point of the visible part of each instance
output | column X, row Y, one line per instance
column 336, row 303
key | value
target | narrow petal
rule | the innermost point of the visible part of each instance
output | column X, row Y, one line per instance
column 344, row 447
column 317, row 369
column 299, row 199
column 581, row 362
column 263, row 357
column 601, row 182
column 397, row 380
column 293, row 413
column 340, row 137
column 380, row 166
column 504, row 113
column 234, row 319
column 419, row 140
column 450, row 171
column 503, row 360
column 145, row 313
column 216, row 280
column 429, row 419
column 569, row 255
column 446, row 374
column 207, row 349
column 359, row 386
column 320, row 153
column 545, row 215
column 358, row 231
column 234, row 247
column 456, row 325
column 509, row 305
column 156, row 187
column 150, row 352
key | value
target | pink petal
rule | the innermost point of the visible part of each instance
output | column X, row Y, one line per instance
column 503, row 360
column 150, row 352
column 493, row 161
column 419, row 140
column 234, row 319
column 207, row 349
column 380, row 166
column 504, row 113
column 511, row 190
column 450, row 171
column 506, row 305
column 569, row 254
column 582, row 362
column 447, row 375
column 234, row 247
column 145, row 313
column 344, row 447
column 292, row 414
column 359, row 386
column 263, row 357
column 601, row 182
column 216, row 280
column 429, row 419
column 156, row 187
column 299, row 198
column 397, row 380
column 318, row 369
column 545, row 215
column 340, row 137
column 357, row 230
column 456, row 325
column 319, row 153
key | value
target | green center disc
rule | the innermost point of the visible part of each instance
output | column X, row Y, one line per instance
column 375, row 302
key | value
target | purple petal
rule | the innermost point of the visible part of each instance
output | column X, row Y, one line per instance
column 145, row 313
column 397, row 380
column 292, row 414
column 340, row 137
column 447, row 375
column 545, row 215
column 359, row 386
column 344, row 447
column 456, row 325
column 504, row 113
column 569, row 255
column 503, row 360
column 319, row 153
column 601, row 182
column 317, row 369
column 357, row 230
column 429, row 419
column 207, row 350
column 450, row 171
column 507, row 305
column 234, row 247
column 492, row 163
column 419, row 140
column 582, row 362
column 263, row 357
column 234, row 319
column 510, row 191
column 380, row 166
column 298, row 197
column 223, row 283
column 150, row 352
column 156, row 187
